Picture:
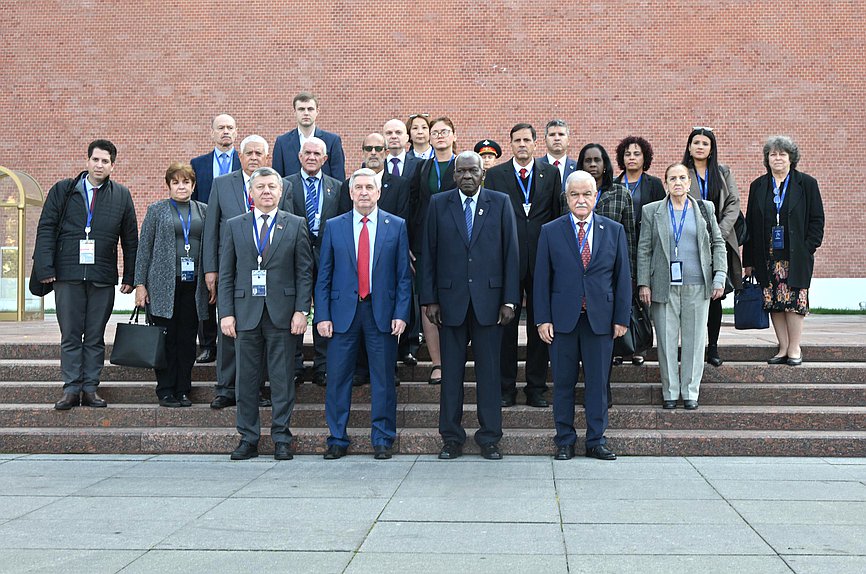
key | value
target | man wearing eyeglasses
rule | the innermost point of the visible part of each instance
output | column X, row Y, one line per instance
column 316, row 197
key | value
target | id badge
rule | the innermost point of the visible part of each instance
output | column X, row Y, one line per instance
column 526, row 208
column 676, row 272
column 86, row 252
column 778, row 237
column 187, row 269
column 260, row 283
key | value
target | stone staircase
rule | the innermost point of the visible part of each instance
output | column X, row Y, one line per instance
column 747, row 408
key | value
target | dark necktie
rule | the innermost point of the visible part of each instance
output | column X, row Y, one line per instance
column 312, row 203
column 395, row 169
column 467, row 213
column 263, row 235
column 364, row 261
column 93, row 197
column 556, row 163
column 585, row 254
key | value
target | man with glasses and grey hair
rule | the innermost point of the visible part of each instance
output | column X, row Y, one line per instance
column 556, row 139
column 266, row 283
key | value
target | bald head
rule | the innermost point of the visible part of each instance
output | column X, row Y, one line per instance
column 223, row 132
column 396, row 136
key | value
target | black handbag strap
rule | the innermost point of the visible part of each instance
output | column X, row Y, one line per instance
column 134, row 317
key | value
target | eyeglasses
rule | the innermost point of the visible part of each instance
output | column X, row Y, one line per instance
column 373, row 147
column 702, row 129
column 413, row 116
column 440, row 133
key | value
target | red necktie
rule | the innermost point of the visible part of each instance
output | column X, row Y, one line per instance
column 93, row 197
column 522, row 173
column 585, row 254
column 364, row 261
column 556, row 163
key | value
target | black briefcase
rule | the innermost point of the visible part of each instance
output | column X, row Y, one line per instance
column 639, row 337
column 139, row 345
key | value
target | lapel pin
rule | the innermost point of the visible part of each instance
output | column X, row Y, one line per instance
column 601, row 226
column 480, row 212
column 279, row 226
column 540, row 175
column 387, row 220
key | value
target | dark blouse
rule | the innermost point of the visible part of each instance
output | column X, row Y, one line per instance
column 195, row 233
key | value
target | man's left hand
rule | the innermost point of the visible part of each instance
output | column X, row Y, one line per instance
column 397, row 327
column 126, row 289
column 619, row 331
column 299, row 323
column 506, row 315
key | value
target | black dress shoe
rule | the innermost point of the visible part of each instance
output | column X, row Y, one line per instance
column 410, row 360
column 637, row 360
column 320, row 379
column 508, row 401
column 435, row 380
column 246, row 450
column 283, row 451
column 299, row 379
column 491, row 451
column 451, row 450
column 207, row 356
column 564, row 452
column 616, row 361
column 222, row 402
column 170, row 402
column 690, row 405
column 778, row 360
column 183, row 399
column 537, row 401
column 359, row 380
column 669, row 405
column 91, row 399
column 68, row 401
column 795, row 361
column 600, row 452
column 713, row 356
column 265, row 402
column 381, row 452
column 334, row 452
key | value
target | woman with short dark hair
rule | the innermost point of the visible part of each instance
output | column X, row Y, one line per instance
column 785, row 217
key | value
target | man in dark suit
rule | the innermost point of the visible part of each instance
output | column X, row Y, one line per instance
column 363, row 292
column 314, row 196
column 470, row 289
column 534, row 190
column 228, row 199
column 582, row 303
column 556, row 139
column 398, row 162
column 222, row 160
column 266, row 283
column 288, row 146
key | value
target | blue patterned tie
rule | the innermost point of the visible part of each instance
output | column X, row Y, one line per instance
column 467, row 213
column 312, row 203
column 224, row 163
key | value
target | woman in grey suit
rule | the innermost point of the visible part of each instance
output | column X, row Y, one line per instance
column 681, row 266
column 169, row 279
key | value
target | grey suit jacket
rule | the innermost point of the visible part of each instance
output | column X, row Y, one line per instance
column 227, row 200
column 654, row 256
column 156, row 261
column 289, row 264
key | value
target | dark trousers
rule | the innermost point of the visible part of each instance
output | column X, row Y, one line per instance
column 320, row 344
column 181, row 328
column 83, row 310
column 409, row 340
column 342, row 351
column 225, row 371
column 207, row 330
column 267, row 342
column 536, row 351
column 714, row 321
column 486, row 342
column 567, row 351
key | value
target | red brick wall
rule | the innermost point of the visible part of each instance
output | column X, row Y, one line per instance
column 150, row 75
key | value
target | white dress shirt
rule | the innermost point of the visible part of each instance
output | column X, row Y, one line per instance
column 560, row 167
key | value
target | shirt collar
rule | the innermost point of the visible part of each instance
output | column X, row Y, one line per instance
column 258, row 212
column 551, row 159
column 577, row 221
column 401, row 157
column 217, row 152
column 356, row 217
column 518, row 167
column 474, row 197
column 317, row 175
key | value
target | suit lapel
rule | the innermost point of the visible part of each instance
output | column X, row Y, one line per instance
column 329, row 201
column 482, row 204
column 456, row 210
column 537, row 185
column 663, row 224
column 383, row 225
column 349, row 238
column 278, row 232
column 598, row 235
column 240, row 192
column 571, row 239
column 794, row 194
column 299, row 193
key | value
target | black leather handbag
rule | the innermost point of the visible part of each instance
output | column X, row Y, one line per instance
column 639, row 337
column 749, row 310
column 139, row 345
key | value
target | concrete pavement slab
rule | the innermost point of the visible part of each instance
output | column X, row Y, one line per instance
column 761, row 470
column 46, row 561
column 801, row 511
column 580, row 511
column 241, row 562
column 377, row 563
column 471, row 469
column 451, row 538
column 132, row 509
column 16, row 506
column 824, row 539
column 284, row 485
column 470, row 490
column 52, row 485
column 824, row 564
column 513, row 509
column 789, row 490
column 594, row 564
column 117, row 534
column 646, row 468
column 663, row 539
column 165, row 486
column 637, row 489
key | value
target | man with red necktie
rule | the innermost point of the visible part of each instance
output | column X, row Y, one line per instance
column 556, row 139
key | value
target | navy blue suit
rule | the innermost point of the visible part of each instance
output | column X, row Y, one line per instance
column 366, row 322
column 470, row 281
column 288, row 146
column 570, row 167
column 203, row 168
column 561, row 283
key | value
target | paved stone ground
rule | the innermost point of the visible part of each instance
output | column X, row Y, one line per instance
column 131, row 514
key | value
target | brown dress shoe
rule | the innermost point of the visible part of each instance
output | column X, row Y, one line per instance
column 68, row 401
column 92, row 400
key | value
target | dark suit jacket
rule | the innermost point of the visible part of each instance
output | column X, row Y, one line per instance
column 544, row 194
column 410, row 166
column 652, row 190
column 615, row 203
column 570, row 167
column 394, row 198
column 561, row 282
column 803, row 234
column 458, row 271
column 203, row 168
column 289, row 264
column 227, row 199
column 419, row 200
column 288, row 146
column 294, row 201
column 337, row 285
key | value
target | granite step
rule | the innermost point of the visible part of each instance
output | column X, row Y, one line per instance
column 745, row 372
column 624, row 393
column 427, row 441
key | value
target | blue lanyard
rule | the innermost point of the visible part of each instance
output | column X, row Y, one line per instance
column 778, row 198
column 261, row 246
column 678, row 232
column 581, row 244
column 703, row 183
column 87, row 205
column 185, row 226
column 524, row 188
column 438, row 172
column 625, row 181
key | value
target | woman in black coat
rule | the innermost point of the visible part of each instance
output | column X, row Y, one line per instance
column 785, row 218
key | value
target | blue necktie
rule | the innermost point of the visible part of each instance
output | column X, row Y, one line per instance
column 312, row 203
column 224, row 163
column 467, row 213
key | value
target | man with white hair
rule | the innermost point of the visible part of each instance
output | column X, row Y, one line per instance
column 229, row 197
